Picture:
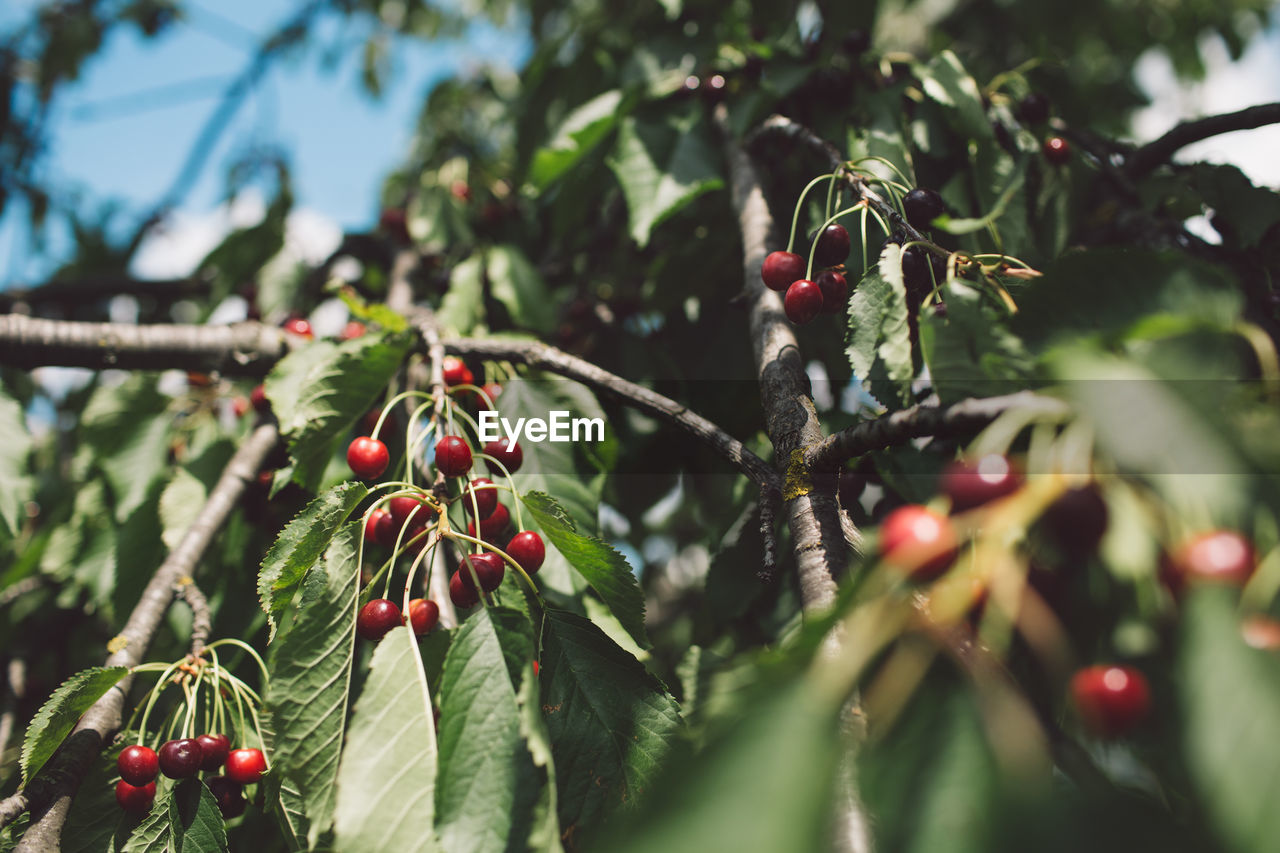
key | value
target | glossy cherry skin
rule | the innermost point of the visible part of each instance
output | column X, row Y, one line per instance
column 527, row 549
column 780, row 269
column 299, row 326
column 1110, row 699
column 453, row 457
column 214, row 748
column 354, row 329
column 135, row 799
column 835, row 291
column 402, row 509
column 493, row 526
column 378, row 529
column 377, row 618
column 456, row 372
column 833, row 246
column 506, row 451
column 918, row 541
column 138, row 765
column 486, row 497
column 1057, row 150
column 368, row 457
column 462, row 592
column 489, row 569
column 246, row 766
column 181, row 758
column 803, row 301
column 1219, row 557
column 228, row 794
column 922, row 206
column 971, row 484
column 423, row 615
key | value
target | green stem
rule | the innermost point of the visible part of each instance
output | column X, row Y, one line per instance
column 795, row 215
column 519, row 514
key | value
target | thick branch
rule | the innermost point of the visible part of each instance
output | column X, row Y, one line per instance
column 1161, row 150
column 919, row 421
column 51, row 791
column 242, row 349
column 549, row 358
column 790, row 416
column 75, row 291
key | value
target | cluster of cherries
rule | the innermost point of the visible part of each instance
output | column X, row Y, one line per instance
column 183, row 758
column 1035, row 109
column 1110, row 699
column 403, row 520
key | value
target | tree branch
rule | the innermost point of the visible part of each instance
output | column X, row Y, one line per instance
column 201, row 618
column 1159, row 151
column 918, row 421
column 77, row 290
column 51, row 791
column 539, row 355
column 241, row 349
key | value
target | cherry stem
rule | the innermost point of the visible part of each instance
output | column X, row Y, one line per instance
column 410, row 442
column 154, row 695
column 508, row 558
column 878, row 159
column 240, row 644
column 505, row 473
column 424, row 554
column 386, row 408
column 795, row 215
column 813, row 249
column 466, row 386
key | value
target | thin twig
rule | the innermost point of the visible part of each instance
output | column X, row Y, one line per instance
column 919, row 421
column 1159, row 151
column 75, row 292
column 201, row 618
column 51, row 791
column 241, row 349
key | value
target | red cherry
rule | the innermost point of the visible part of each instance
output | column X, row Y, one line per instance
column 240, row 406
column 1057, row 150
column 378, row 528
column 377, row 618
column 489, row 568
column 138, row 765
column 228, row 795
column 486, row 497
column 526, row 548
column 460, row 190
column 536, row 668
column 135, row 799
column 354, row 329
column 833, row 246
column 835, row 291
column 918, row 541
column 299, row 326
column 462, row 593
column 493, row 390
column 258, row 396
column 214, row 748
column 423, row 615
column 456, row 372
column 453, row 457
column 246, row 766
column 780, row 269
column 972, row 484
column 402, row 507
column 506, row 451
column 368, row 457
column 181, row 758
column 1111, row 700
column 1219, row 556
column 803, row 301
column 493, row 526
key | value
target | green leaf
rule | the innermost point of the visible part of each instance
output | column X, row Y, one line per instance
column 436, row 220
column 1249, row 211
column 606, row 570
column 386, row 782
column 516, row 284
column 578, row 134
column 318, row 396
column 180, row 504
column 95, row 823
column 310, row 681
column 126, row 430
column 373, row 312
column 462, row 308
column 59, row 714
column 300, row 544
column 184, row 820
column 878, row 331
column 946, row 82
column 1230, row 696
column 14, row 453
column 544, row 828
column 482, row 755
column 766, row 786
column 662, row 166
column 970, row 351
column 610, row 721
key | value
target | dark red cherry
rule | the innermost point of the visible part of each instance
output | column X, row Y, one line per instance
column 489, row 569
column 780, row 269
column 138, row 765
column 527, row 549
column 1111, row 700
column 835, row 291
column 246, row 766
column 486, row 497
column 973, row 483
column 377, row 618
column 453, row 457
column 493, row 526
column 368, row 457
column 456, row 372
column 803, row 301
column 135, row 799
column 506, row 451
column 918, row 541
column 181, row 758
column 228, row 794
column 462, row 593
column 833, row 246
column 423, row 615
column 214, row 748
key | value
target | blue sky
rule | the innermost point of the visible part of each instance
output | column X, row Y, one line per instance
column 115, row 143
